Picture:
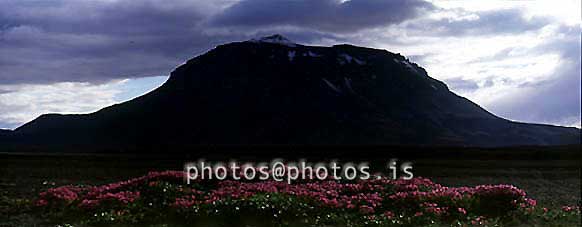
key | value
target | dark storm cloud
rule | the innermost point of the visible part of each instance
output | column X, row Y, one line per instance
column 95, row 41
column 99, row 17
column 92, row 41
column 324, row 15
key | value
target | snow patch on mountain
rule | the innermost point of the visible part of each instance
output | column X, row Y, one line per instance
column 311, row 54
column 348, row 83
column 332, row 86
column 275, row 39
column 291, row 55
column 346, row 58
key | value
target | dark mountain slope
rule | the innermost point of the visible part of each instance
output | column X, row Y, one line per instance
column 271, row 91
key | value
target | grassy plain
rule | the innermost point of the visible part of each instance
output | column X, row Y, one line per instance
column 553, row 182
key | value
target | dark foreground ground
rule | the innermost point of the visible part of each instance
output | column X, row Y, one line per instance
column 550, row 175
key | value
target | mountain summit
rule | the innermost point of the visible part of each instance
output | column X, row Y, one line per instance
column 276, row 39
column 274, row 91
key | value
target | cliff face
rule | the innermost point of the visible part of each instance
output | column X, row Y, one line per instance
column 273, row 91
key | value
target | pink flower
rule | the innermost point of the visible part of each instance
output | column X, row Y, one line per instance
column 124, row 196
column 367, row 196
column 462, row 210
column 531, row 202
column 569, row 208
column 389, row 214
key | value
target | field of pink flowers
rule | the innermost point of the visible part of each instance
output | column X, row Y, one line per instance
column 164, row 197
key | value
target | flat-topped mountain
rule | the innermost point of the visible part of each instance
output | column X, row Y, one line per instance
column 274, row 91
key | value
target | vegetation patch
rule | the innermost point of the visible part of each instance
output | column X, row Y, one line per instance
column 163, row 198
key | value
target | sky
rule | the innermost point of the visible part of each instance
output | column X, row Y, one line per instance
column 518, row 59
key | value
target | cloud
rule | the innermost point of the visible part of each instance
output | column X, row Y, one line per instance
column 77, row 41
column 23, row 103
column 531, row 77
column 518, row 59
column 525, row 70
column 458, row 22
column 325, row 15
column 460, row 84
column 556, row 98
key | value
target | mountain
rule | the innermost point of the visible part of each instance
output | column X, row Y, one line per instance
column 4, row 132
column 274, row 91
